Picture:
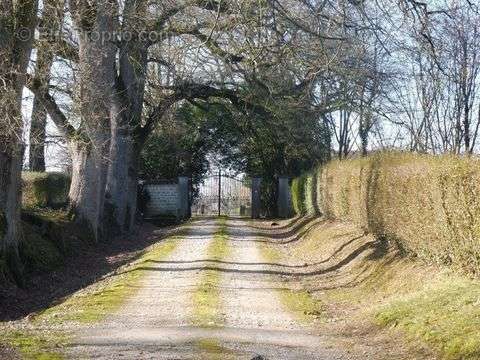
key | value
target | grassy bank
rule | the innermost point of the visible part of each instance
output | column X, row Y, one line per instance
column 444, row 313
column 426, row 303
column 206, row 297
column 44, row 189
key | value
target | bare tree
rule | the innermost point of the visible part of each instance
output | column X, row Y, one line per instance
column 49, row 28
column 17, row 24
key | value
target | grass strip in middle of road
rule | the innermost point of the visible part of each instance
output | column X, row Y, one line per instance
column 206, row 297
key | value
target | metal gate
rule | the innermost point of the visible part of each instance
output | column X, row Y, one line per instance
column 221, row 194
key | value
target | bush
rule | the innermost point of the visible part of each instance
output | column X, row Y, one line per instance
column 427, row 204
column 45, row 189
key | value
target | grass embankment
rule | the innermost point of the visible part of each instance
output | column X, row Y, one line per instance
column 429, row 207
column 436, row 306
column 87, row 306
column 206, row 297
column 444, row 313
column 428, row 303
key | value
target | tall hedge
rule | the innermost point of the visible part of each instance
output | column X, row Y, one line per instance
column 430, row 205
column 45, row 189
column 298, row 195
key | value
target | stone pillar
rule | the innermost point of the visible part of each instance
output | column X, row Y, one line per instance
column 256, row 201
column 183, row 197
column 284, row 201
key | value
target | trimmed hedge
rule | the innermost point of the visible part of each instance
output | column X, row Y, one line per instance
column 430, row 205
column 298, row 195
column 45, row 189
column 39, row 253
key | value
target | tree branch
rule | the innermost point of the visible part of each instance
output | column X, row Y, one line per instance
column 56, row 114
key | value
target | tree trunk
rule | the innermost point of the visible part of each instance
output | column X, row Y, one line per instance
column 87, row 189
column 14, row 55
column 52, row 16
column 126, row 115
column 97, row 59
column 121, row 189
column 10, row 200
column 37, row 136
column 122, row 179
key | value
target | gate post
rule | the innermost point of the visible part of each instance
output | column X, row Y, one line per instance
column 256, row 201
column 183, row 197
column 284, row 201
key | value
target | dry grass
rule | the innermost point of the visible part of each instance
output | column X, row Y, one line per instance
column 427, row 303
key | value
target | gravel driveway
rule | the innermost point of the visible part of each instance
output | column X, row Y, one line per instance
column 156, row 323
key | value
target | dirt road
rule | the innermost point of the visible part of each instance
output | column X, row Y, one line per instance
column 158, row 322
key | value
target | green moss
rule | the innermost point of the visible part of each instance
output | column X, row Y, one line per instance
column 36, row 345
column 206, row 297
column 305, row 307
column 94, row 306
column 214, row 349
column 444, row 314
column 218, row 249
